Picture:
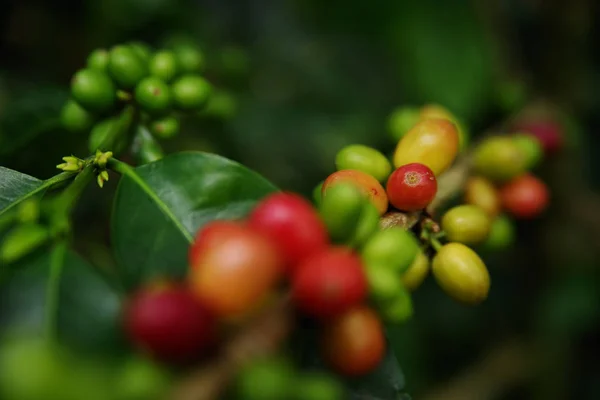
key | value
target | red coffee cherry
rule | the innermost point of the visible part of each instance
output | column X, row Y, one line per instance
column 525, row 197
column 353, row 343
column 169, row 323
column 411, row 187
column 329, row 282
column 292, row 224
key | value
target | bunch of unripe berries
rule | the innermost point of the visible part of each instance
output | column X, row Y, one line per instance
column 159, row 83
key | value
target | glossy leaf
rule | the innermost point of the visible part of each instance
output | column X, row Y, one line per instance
column 157, row 213
column 87, row 306
column 15, row 187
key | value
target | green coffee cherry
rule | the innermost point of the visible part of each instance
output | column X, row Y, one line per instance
column 220, row 105
column 416, row 273
column 191, row 92
column 165, row 128
column 499, row 158
column 318, row 386
column 75, row 118
column 164, row 65
column 468, row 224
column 401, row 121
column 365, row 159
column 395, row 247
column 30, row 369
column 531, row 147
column 340, row 209
column 399, row 309
column 502, row 234
column 141, row 379
column 153, row 95
column 266, row 379
column 190, row 59
column 21, row 241
column 142, row 50
column 317, row 193
column 368, row 224
column 126, row 67
column 98, row 59
column 99, row 133
column 93, row 90
column 461, row 273
column 384, row 282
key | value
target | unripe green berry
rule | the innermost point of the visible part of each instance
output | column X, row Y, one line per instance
column 153, row 95
column 93, row 90
column 384, row 282
column 190, row 92
column 126, row 67
column 318, row 386
column 98, row 59
column 340, row 209
column 141, row 379
column 75, row 118
column 395, row 247
column 190, row 59
column 368, row 224
column 266, row 379
column 467, row 223
column 498, row 158
column 365, row 159
column 142, row 50
column 401, row 121
column 502, row 234
column 531, row 148
column 220, row 105
column 165, row 128
column 164, row 65
column 399, row 309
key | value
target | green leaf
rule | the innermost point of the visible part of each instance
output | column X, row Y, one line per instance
column 16, row 187
column 87, row 306
column 160, row 206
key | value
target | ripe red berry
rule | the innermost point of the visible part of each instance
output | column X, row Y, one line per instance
column 548, row 132
column 411, row 187
column 209, row 235
column 292, row 224
column 525, row 197
column 169, row 323
column 329, row 282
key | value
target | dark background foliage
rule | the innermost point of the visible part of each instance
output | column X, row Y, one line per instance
column 309, row 77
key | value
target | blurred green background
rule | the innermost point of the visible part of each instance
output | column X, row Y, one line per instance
column 300, row 79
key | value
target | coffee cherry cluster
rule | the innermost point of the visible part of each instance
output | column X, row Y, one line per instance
column 343, row 273
column 428, row 140
column 160, row 83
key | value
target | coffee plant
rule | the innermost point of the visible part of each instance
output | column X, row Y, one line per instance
column 227, row 286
